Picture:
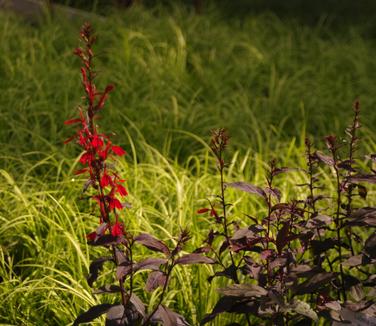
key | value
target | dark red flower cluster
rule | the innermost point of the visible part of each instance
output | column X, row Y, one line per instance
column 97, row 146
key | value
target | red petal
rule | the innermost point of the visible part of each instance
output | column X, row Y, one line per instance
column 69, row 139
column 118, row 150
column 117, row 229
column 105, row 180
column 203, row 210
column 72, row 121
column 91, row 236
column 77, row 172
column 115, row 203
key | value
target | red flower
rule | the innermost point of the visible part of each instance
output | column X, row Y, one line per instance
column 87, row 158
column 91, row 236
column 97, row 141
column 117, row 229
column 118, row 150
column 121, row 190
column 106, row 180
column 115, row 203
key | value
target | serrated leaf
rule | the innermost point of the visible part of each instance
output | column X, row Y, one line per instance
column 152, row 243
column 194, row 259
column 243, row 290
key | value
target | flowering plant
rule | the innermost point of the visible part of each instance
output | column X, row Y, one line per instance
column 107, row 191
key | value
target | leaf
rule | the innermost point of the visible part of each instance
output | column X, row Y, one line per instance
column 116, row 316
column 243, row 290
column 194, row 259
column 319, row 247
column 353, row 261
column 107, row 289
column 232, row 305
column 150, row 263
column 333, row 305
column 247, row 187
column 325, row 158
column 122, row 271
column 92, row 313
column 120, row 257
column 282, row 239
column 277, row 171
column 152, row 243
column 303, row 308
column 274, row 192
column 95, row 267
column 105, row 240
column 155, row 280
column 168, row 317
column 138, row 305
column 370, row 178
column 370, row 245
column 313, row 283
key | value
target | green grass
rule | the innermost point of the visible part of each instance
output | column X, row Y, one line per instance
column 270, row 80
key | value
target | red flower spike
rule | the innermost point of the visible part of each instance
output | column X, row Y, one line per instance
column 117, row 229
column 203, row 210
column 118, row 150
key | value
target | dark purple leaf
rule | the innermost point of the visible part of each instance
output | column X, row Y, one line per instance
column 333, row 305
column 370, row 178
column 243, row 290
column 362, row 191
column 277, row 171
column 370, row 245
column 155, row 279
column 231, row 305
column 107, row 289
column 116, row 316
column 325, row 158
column 92, row 313
column 95, row 267
column 106, row 240
column 353, row 261
column 194, row 259
column 138, row 305
column 150, row 263
column 120, row 257
column 122, row 271
column 282, row 235
column 273, row 192
column 247, row 187
column 168, row 317
column 322, row 246
column 152, row 243
column 313, row 284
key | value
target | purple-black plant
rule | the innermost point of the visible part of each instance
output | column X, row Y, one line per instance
column 306, row 258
